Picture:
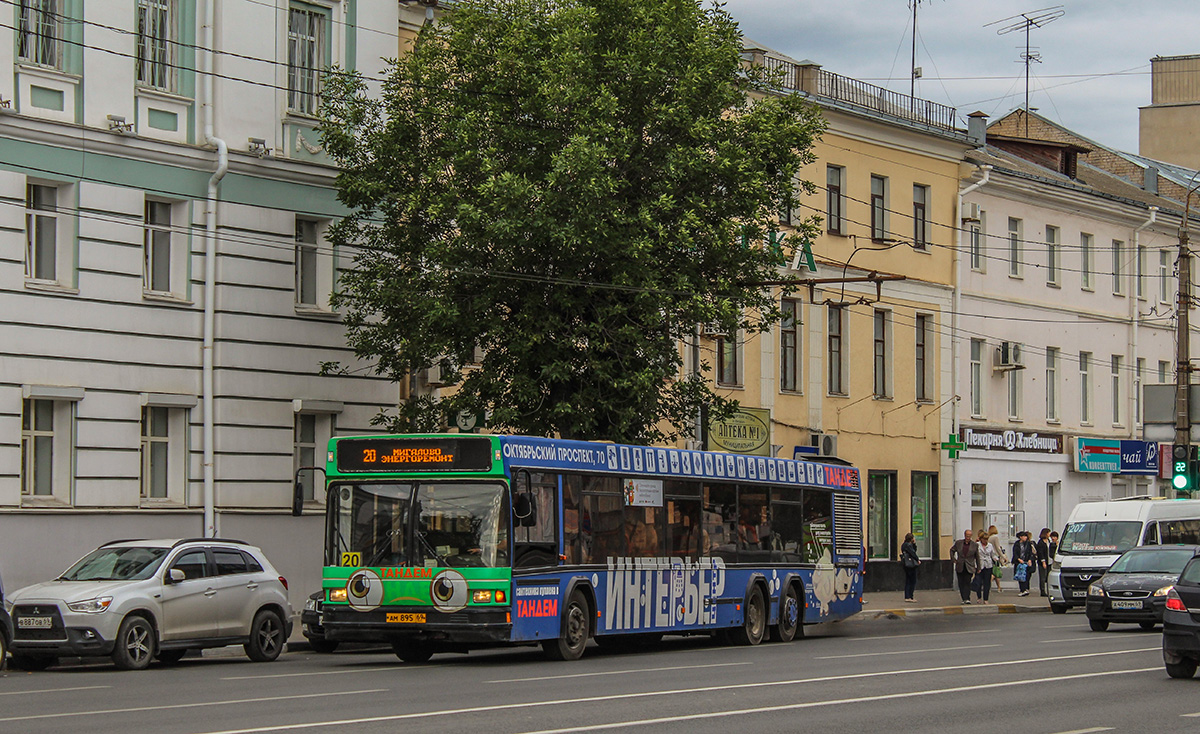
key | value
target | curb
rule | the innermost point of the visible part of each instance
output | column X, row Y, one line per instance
column 969, row 610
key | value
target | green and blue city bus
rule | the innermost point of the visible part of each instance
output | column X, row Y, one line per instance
column 452, row 542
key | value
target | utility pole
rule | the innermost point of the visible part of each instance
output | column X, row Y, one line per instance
column 1183, row 364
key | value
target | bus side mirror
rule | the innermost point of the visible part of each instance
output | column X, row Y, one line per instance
column 522, row 508
column 530, row 519
column 298, row 499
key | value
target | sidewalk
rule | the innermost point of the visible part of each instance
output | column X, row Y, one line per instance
column 947, row 601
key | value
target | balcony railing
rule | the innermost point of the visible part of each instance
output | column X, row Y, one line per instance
column 814, row 80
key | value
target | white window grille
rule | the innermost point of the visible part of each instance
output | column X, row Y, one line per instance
column 306, row 58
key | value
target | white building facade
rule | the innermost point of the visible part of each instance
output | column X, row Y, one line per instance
column 1065, row 309
column 164, row 276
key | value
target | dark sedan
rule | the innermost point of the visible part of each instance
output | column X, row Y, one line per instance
column 1181, row 624
column 310, row 621
column 1135, row 588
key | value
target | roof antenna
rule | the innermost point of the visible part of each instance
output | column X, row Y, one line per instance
column 1024, row 22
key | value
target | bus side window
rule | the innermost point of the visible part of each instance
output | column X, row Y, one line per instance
column 1151, row 535
column 537, row 544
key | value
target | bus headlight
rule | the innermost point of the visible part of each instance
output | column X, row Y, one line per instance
column 337, row 594
column 482, row 597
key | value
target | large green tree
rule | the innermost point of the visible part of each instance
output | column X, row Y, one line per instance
column 570, row 186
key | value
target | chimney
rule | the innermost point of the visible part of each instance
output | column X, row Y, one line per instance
column 977, row 129
column 1150, row 180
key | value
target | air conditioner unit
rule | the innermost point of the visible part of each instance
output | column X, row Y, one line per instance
column 825, row 443
column 971, row 213
column 1008, row 356
column 433, row 376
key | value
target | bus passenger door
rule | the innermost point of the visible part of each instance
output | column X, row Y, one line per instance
column 535, row 535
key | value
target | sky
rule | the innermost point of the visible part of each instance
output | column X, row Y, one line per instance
column 1093, row 76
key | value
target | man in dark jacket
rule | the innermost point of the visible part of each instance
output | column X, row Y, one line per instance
column 965, row 554
column 1043, row 561
column 1024, row 557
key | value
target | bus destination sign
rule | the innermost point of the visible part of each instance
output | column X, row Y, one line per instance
column 414, row 454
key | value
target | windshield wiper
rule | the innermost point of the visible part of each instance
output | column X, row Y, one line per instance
column 425, row 543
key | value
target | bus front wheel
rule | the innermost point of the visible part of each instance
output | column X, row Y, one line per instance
column 755, row 625
column 573, row 636
column 412, row 652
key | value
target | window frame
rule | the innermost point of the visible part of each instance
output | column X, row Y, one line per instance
column 835, row 201
column 1086, row 264
column 790, row 352
column 1053, row 256
column 975, row 245
column 1015, row 394
column 61, row 447
column 975, row 375
column 729, row 360
column 1052, row 386
column 305, row 76
column 157, row 44
column 1118, row 262
column 149, row 442
column 1085, row 392
column 1116, row 363
column 324, row 425
column 835, row 350
column 1015, row 234
column 881, row 354
column 40, row 33
column 38, row 218
column 921, row 196
column 1164, row 274
column 922, row 365
column 878, row 200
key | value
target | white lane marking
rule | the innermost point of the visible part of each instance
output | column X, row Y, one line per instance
column 187, row 705
column 393, row 669
column 1085, row 638
column 1061, row 626
column 1087, row 731
column 1190, row 716
column 344, row 722
column 618, row 672
column 903, row 652
column 53, row 690
column 919, row 634
column 834, row 702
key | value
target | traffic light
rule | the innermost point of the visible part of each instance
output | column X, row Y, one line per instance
column 1183, row 468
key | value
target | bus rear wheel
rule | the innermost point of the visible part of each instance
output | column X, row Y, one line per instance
column 754, row 627
column 411, row 651
column 573, row 636
column 791, row 617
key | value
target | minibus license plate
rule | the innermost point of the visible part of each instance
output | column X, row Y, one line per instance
column 34, row 623
column 1125, row 604
column 404, row 618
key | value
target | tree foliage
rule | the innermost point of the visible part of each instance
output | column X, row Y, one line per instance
column 570, row 187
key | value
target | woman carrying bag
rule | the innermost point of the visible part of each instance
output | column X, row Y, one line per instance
column 910, row 561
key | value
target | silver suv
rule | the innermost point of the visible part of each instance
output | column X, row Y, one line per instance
column 139, row 599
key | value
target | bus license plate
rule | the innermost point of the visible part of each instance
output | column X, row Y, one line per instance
column 34, row 623
column 1126, row 604
column 395, row 618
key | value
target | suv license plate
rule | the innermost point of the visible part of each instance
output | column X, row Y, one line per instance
column 1118, row 604
column 33, row 623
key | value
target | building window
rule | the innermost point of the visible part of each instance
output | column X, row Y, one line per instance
column 306, row 58
column 1118, row 255
column 1116, row 389
column 882, row 353
column 37, row 448
column 920, row 217
column 41, row 232
column 976, row 378
column 1052, row 383
column 156, row 42
column 1164, row 276
column 922, row 364
column 1140, row 271
column 837, row 317
column 976, row 244
column 312, row 431
column 728, row 360
column 157, row 247
column 155, row 452
column 1085, row 260
column 878, row 208
column 1016, row 504
column 923, row 516
column 39, row 32
column 1164, row 372
column 881, row 515
column 306, row 262
column 1014, row 394
column 1085, row 387
column 1014, row 247
column 834, row 201
column 1053, row 254
column 789, row 346
column 979, row 496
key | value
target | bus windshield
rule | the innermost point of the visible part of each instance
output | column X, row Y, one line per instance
column 425, row 524
column 1099, row 538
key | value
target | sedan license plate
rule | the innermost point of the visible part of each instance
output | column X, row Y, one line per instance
column 35, row 623
column 400, row 618
column 1126, row 604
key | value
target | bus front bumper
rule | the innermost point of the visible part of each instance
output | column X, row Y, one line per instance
column 489, row 625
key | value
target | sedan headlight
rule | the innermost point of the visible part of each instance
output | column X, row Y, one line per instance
column 1164, row 590
column 1095, row 590
column 91, row 606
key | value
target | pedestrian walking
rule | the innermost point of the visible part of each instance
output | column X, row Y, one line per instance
column 910, row 561
column 1042, row 549
column 965, row 554
column 1023, row 557
column 994, row 540
column 987, row 561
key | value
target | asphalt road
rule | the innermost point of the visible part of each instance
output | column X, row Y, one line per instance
column 1033, row 673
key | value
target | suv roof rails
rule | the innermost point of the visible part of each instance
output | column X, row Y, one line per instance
column 208, row 540
column 123, row 540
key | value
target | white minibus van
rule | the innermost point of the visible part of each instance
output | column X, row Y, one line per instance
column 1098, row 532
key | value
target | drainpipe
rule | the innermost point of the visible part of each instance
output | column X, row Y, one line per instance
column 1135, row 316
column 955, row 307
column 210, row 264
